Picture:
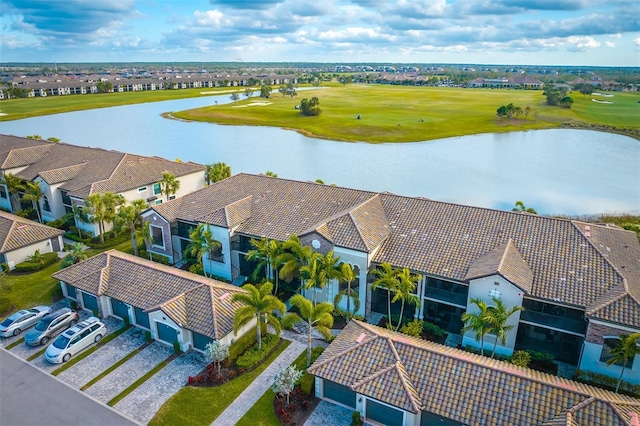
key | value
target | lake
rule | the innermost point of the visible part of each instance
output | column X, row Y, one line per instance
column 558, row 171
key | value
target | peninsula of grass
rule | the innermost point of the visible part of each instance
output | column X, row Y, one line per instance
column 386, row 113
column 202, row 405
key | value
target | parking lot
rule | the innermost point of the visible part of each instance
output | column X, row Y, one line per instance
column 142, row 402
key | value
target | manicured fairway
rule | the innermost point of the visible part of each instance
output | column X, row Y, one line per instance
column 405, row 114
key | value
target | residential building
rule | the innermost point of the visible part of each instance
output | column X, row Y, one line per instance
column 395, row 380
column 20, row 238
column 68, row 174
column 173, row 305
column 579, row 283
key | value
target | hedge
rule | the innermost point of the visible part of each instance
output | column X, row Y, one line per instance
column 306, row 383
column 606, row 382
column 243, row 343
column 253, row 356
column 47, row 259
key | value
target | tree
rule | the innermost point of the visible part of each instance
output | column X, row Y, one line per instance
column 128, row 218
column 201, row 242
column 403, row 291
column 502, row 111
column 477, row 322
column 102, row 209
column 566, row 102
column 554, row 94
column 144, row 234
column 317, row 317
column 33, row 193
column 517, row 111
column 498, row 317
column 386, row 278
column 14, row 185
column 75, row 255
column 104, row 87
column 624, row 353
column 259, row 306
column 320, row 270
column 310, row 107
column 510, row 110
column 216, row 352
column 285, row 381
column 268, row 254
column 216, row 172
column 345, row 79
column 248, row 92
column 295, row 256
column 53, row 139
column 291, row 89
column 520, row 207
column 271, row 174
column 347, row 276
column 234, row 97
column 265, row 91
column 527, row 111
column 169, row 184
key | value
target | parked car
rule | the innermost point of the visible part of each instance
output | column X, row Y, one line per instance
column 50, row 326
column 75, row 339
column 21, row 320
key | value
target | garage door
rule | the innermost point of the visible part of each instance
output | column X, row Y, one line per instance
column 166, row 333
column 339, row 393
column 383, row 414
column 90, row 302
column 71, row 291
column 200, row 341
column 119, row 309
column 142, row 318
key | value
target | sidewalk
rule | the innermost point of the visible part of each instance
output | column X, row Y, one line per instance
column 259, row 386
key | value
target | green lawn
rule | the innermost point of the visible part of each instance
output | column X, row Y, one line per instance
column 406, row 114
column 202, row 405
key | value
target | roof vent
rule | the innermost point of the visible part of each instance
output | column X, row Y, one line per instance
column 587, row 228
column 361, row 337
column 587, row 234
column 224, row 296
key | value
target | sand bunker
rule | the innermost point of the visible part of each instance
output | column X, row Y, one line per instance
column 601, row 102
column 606, row 95
column 253, row 104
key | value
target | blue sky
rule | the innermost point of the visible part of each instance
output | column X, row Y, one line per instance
column 540, row 32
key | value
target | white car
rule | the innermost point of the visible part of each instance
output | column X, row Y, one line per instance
column 21, row 320
column 75, row 339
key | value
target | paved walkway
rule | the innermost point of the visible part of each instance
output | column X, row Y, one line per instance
column 143, row 403
column 126, row 374
column 259, row 386
column 328, row 414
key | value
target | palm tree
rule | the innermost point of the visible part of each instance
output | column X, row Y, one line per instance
column 347, row 275
column 169, row 184
column 387, row 280
column 403, row 291
column 320, row 270
column 478, row 322
column 14, row 185
column 102, row 209
column 80, row 216
column 624, row 353
column 259, row 305
column 520, row 207
column 317, row 317
column 268, row 254
column 144, row 234
column 498, row 316
column 128, row 218
column 216, row 172
column 75, row 255
column 33, row 193
column 295, row 255
column 202, row 242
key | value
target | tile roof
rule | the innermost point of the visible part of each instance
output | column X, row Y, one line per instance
column 505, row 261
column 194, row 301
column 550, row 258
column 417, row 375
column 17, row 232
column 86, row 170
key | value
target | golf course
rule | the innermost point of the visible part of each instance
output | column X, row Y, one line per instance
column 386, row 113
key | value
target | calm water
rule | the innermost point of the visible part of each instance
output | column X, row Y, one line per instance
column 554, row 171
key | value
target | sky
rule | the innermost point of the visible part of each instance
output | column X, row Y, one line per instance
column 518, row 32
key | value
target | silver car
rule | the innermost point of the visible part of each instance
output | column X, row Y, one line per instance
column 21, row 320
column 50, row 325
column 74, row 340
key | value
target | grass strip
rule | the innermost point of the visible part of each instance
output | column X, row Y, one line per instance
column 89, row 351
column 14, row 344
column 141, row 380
column 202, row 405
column 37, row 354
column 116, row 365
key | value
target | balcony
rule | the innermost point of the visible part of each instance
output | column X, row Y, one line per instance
column 458, row 297
column 554, row 321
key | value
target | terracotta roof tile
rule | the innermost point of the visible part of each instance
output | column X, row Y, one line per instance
column 505, row 261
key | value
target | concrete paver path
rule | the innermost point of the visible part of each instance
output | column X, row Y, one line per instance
column 258, row 387
column 125, row 375
column 143, row 403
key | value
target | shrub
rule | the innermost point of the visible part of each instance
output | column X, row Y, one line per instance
column 47, row 259
column 433, row 333
column 606, row 382
column 306, row 383
column 356, row 420
column 413, row 328
column 253, row 356
column 155, row 257
column 521, row 358
column 176, row 348
column 244, row 342
column 147, row 335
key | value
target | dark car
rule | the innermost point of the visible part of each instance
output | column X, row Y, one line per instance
column 51, row 325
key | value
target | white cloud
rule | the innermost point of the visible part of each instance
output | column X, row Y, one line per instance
column 636, row 41
column 610, row 44
column 584, row 42
column 209, row 17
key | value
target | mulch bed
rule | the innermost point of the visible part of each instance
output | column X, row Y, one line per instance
column 299, row 409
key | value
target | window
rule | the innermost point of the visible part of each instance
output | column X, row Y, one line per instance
column 65, row 198
column 156, row 189
column 45, row 204
column 216, row 254
column 172, row 197
column 609, row 344
column 3, row 192
column 142, row 189
column 158, row 202
column 157, row 236
column 496, row 294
